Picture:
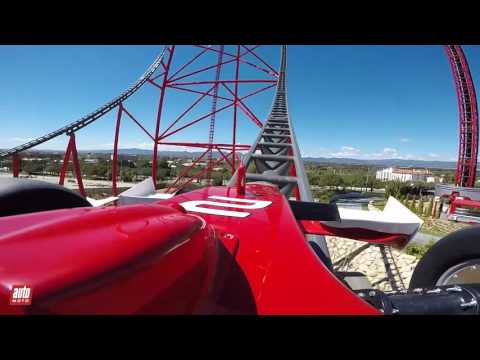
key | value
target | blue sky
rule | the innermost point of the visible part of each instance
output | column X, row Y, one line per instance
column 366, row 102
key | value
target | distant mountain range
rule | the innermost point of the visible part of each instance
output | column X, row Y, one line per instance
column 315, row 160
column 142, row 152
column 384, row 162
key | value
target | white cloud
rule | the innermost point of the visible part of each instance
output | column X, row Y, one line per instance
column 346, row 151
column 405, row 140
column 385, row 153
column 390, row 151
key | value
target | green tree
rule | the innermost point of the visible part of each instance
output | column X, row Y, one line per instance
column 393, row 188
column 33, row 167
column 127, row 175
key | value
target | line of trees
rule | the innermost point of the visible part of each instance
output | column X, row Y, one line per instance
column 342, row 177
column 101, row 170
column 128, row 170
column 400, row 190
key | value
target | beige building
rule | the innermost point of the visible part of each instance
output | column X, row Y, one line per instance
column 405, row 175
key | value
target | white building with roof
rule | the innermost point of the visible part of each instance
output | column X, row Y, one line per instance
column 405, row 175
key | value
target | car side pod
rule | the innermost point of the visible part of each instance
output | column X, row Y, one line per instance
column 114, row 260
column 396, row 225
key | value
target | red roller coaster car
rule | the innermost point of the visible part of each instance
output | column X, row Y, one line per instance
column 255, row 246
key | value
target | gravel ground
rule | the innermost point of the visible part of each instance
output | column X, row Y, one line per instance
column 370, row 262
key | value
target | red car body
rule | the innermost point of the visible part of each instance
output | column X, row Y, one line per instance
column 161, row 259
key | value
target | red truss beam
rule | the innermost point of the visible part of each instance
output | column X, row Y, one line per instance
column 201, row 70
column 164, row 136
column 195, row 103
column 201, row 92
column 193, row 122
column 182, row 80
column 157, row 76
column 225, row 157
column 244, row 108
column 187, row 170
column 269, row 72
column 164, row 74
column 259, row 58
column 154, row 83
column 206, row 145
column 124, row 109
column 196, row 176
column 170, row 78
column 189, row 62
column 217, row 51
column 236, row 82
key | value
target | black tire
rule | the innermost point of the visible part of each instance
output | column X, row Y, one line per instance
column 22, row 196
column 453, row 249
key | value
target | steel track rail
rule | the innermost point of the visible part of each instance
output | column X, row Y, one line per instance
column 90, row 118
column 275, row 152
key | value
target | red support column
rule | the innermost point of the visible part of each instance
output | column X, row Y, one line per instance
column 66, row 158
column 115, row 151
column 16, row 165
column 76, row 166
column 235, row 106
column 159, row 115
column 72, row 150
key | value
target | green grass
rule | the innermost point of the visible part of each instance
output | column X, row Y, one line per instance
column 419, row 250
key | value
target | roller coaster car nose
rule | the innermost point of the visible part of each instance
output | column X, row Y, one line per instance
column 113, row 260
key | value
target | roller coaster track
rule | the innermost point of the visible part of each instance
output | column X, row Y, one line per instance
column 92, row 117
column 275, row 156
column 467, row 104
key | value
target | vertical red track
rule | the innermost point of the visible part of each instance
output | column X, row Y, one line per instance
column 467, row 105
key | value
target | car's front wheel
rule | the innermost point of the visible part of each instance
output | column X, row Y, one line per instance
column 455, row 259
